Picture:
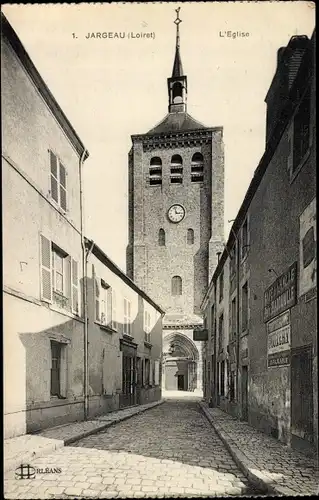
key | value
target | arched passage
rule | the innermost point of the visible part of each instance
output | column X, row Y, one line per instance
column 180, row 364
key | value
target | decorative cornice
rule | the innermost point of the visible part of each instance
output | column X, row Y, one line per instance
column 183, row 326
column 188, row 138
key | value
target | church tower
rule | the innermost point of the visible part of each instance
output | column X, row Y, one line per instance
column 176, row 220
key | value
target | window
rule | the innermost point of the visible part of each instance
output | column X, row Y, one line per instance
column 58, row 181
column 177, row 93
column 155, row 172
column 220, row 332
column 103, row 302
column 161, row 238
column 55, row 389
column 190, row 236
column 177, row 285
column 127, row 326
column 58, row 271
column 301, row 131
column 176, row 169
column 221, row 286
column 114, row 310
column 244, row 307
column 59, row 276
column 244, row 239
column 197, row 168
column 147, row 326
column 233, row 318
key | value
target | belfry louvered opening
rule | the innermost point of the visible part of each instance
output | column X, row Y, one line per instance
column 155, row 172
column 197, row 168
column 176, row 169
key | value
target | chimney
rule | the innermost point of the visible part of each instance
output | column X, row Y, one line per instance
column 288, row 62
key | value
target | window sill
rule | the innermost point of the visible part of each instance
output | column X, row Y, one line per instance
column 65, row 312
column 106, row 328
column 294, row 174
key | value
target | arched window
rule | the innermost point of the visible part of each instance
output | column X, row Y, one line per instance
column 177, row 93
column 161, row 238
column 197, row 168
column 190, row 236
column 155, row 176
column 176, row 169
column 177, row 285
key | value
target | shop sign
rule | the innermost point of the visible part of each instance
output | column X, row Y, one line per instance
column 279, row 340
column 282, row 294
column 279, row 359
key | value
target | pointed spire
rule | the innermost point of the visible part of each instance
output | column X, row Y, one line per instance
column 177, row 67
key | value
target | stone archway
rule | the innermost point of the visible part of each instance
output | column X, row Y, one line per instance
column 180, row 364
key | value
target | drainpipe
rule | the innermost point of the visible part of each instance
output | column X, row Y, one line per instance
column 84, row 290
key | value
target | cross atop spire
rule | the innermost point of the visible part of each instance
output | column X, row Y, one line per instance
column 177, row 67
column 177, row 22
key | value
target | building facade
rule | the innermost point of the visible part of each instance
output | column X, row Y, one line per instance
column 42, row 252
column 61, row 360
column 261, row 353
column 176, row 208
column 124, row 335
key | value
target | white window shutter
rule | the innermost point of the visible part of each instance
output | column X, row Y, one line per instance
column 75, row 290
column 68, row 278
column 62, row 186
column 109, row 307
column 114, row 325
column 290, row 152
column 46, row 278
column 54, row 176
column 129, row 318
column 151, row 372
column 97, row 297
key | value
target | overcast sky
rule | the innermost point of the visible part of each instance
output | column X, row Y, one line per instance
column 111, row 88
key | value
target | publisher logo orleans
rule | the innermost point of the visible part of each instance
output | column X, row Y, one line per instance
column 26, row 471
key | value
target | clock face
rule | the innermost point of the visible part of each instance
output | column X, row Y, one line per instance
column 176, row 213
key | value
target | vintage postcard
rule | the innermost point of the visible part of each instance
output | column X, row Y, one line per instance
column 159, row 249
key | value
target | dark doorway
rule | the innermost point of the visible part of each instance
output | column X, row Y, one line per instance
column 301, row 397
column 128, row 396
column 244, row 393
column 180, row 382
column 139, row 381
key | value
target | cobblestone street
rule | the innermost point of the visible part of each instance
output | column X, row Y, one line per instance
column 170, row 450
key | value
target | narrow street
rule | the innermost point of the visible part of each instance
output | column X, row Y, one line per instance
column 170, row 450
